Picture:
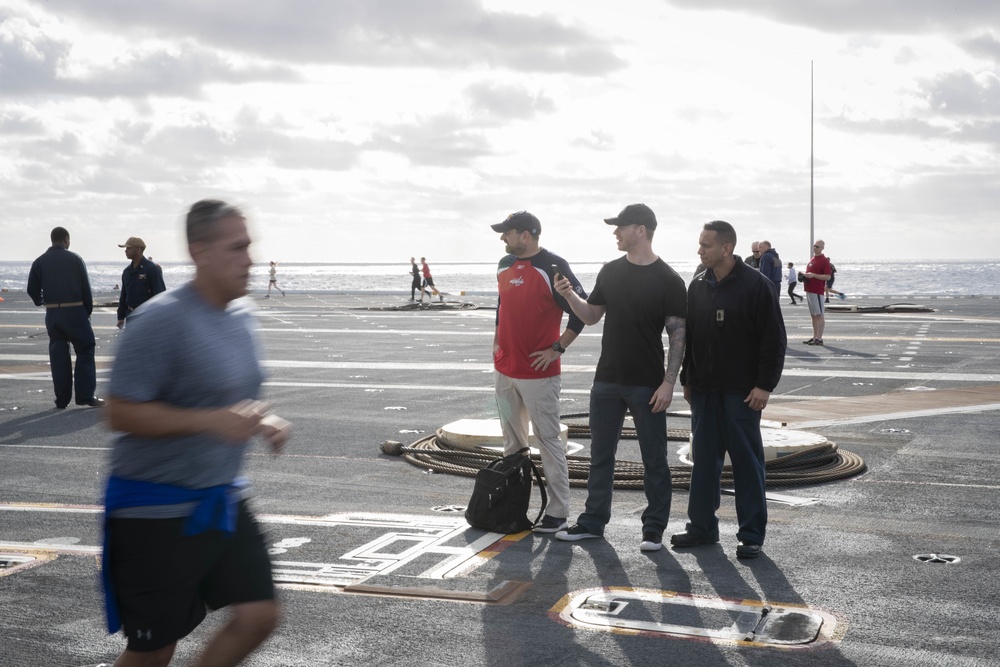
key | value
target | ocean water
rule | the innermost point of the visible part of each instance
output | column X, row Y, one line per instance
column 889, row 278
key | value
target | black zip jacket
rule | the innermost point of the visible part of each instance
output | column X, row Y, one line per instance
column 735, row 333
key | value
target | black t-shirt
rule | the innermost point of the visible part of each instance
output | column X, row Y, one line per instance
column 639, row 299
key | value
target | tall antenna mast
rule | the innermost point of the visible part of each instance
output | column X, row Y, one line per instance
column 812, row 219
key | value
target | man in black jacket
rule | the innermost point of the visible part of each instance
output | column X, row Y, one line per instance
column 733, row 359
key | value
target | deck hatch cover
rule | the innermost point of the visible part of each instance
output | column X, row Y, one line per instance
column 686, row 616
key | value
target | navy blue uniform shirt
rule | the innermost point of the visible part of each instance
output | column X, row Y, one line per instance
column 60, row 276
column 139, row 284
column 735, row 333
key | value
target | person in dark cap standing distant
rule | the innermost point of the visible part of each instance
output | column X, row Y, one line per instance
column 641, row 296
column 527, row 346
column 141, row 280
column 58, row 280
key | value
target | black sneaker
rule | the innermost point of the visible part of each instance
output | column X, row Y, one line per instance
column 686, row 539
column 93, row 403
column 809, row 342
column 747, row 550
column 817, row 341
column 550, row 524
column 576, row 533
column 651, row 542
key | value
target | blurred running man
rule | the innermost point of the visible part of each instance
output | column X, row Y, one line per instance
column 179, row 537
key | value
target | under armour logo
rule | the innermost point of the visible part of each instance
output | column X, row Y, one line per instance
column 148, row 634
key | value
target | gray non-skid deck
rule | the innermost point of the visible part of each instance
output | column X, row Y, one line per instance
column 379, row 567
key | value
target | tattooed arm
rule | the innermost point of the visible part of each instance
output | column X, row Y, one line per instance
column 676, row 330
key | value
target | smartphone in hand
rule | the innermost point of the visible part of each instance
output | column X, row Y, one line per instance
column 555, row 273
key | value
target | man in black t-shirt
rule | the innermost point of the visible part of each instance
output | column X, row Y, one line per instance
column 641, row 296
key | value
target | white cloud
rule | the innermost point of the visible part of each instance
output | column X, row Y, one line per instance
column 362, row 130
column 396, row 33
column 863, row 16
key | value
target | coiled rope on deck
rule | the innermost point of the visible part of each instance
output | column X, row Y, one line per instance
column 416, row 305
column 820, row 463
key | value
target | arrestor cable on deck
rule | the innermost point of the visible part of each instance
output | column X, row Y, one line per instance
column 812, row 465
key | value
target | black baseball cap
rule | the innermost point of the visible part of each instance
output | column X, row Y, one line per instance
column 634, row 214
column 522, row 221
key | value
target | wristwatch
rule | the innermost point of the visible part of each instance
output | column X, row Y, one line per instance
column 558, row 348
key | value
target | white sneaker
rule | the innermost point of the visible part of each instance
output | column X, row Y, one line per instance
column 576, row 533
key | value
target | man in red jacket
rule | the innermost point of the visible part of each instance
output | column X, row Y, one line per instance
column 816, row 275
column 527, row 347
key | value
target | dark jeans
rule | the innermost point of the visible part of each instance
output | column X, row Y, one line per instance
column 792, row 294
column 722, row 423
column 608, row 403
column 65, row 326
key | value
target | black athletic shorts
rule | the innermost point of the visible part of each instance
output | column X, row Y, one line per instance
column 164, row 581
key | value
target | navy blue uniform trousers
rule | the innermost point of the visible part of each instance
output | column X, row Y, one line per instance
column 71, row 326
column 722, row 423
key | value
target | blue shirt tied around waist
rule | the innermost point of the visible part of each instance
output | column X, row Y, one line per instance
column 216, row 509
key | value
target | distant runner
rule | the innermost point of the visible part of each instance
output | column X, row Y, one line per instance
column 428, row 281
column 415, row 285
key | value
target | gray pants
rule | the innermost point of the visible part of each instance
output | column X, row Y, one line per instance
column 518, row 402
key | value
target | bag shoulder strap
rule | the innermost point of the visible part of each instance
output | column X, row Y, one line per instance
column 526, row 452
column 541, row 487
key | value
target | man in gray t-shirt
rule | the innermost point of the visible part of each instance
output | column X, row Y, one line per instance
column 184, row 359
column 179, row 538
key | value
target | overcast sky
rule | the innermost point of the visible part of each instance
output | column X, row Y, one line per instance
column 373, row 130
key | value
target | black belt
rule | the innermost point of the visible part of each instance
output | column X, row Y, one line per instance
column 64, row 305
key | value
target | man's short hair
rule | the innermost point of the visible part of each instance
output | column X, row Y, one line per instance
column 59, row 235
column 201, row 219
column 723, row 230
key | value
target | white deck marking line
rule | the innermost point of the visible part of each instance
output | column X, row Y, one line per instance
column 983, row 378
column 50, row 507
column 864, row 480
column 72, row 549
column 93, row 449
column 891, row 416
